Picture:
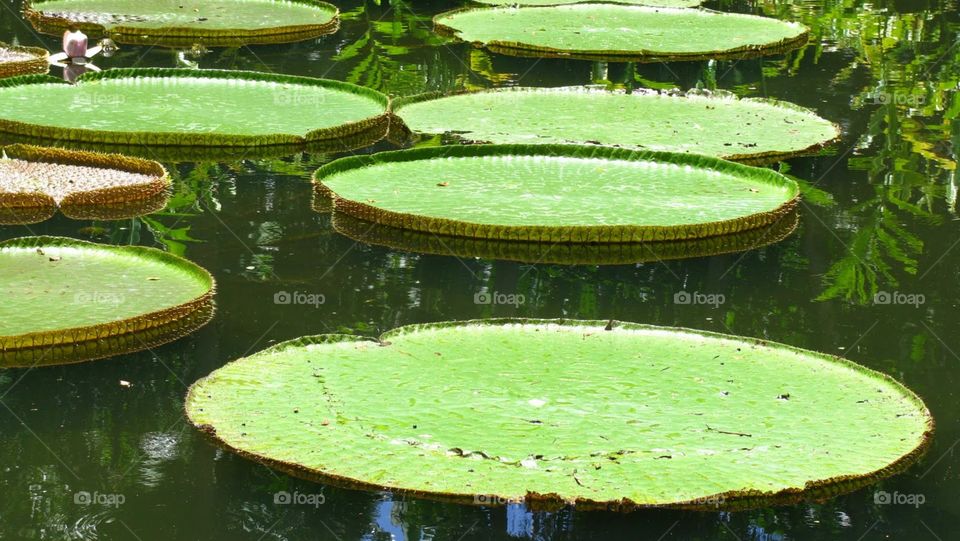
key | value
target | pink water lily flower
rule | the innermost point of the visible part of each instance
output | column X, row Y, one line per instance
column 75, row 44
column 75, row 48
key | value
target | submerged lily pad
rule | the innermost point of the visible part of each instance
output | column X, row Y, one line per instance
column 621, row 33
column 16, row 60
column 715, row 124
column 67, row 301
column 190, row 108
column 589, row 412
column 35, row 181
column 182, row 23
column 557, row 193
column 552, row 253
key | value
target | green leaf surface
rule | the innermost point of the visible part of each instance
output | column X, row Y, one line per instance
column 599, row 413
column 180, row 107
column 562, row 193
column 712, row 124
column 621, row 32
column 61, row 291
column 168, row 22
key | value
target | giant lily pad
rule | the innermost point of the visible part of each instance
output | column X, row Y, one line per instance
column 589, row 412
column 16, row 60
column 552, row 253
column 716, row 124
column 190, row 108
column 35, row 181
column 621, row 33
column 557, row 193
column 182, row 23
column 68, row 301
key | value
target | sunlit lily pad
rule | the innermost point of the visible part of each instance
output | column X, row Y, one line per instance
column 716, row 124
column 621, row 33
column 553, row 253
column 34, row 181
column 557, row 193
column 67, row 301
column 190, row 108
column 16, row 60
column 182, row 23
column 594, row 413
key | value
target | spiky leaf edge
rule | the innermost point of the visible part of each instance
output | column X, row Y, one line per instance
column 561, row 254
column 159, row 180
column 38, row 64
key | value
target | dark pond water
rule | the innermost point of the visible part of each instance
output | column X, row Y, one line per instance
column 880, row 216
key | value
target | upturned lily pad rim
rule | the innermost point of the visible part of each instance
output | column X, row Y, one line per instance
column 730, row 500
column 534, row 253
column 192, row 140
column 397, row 105
column 160, row 180
column 179, row 154
column 112, row 346
column 570, row 234
column 14, row 344
column 174, row 36
column 514, row 48
column 38, row 63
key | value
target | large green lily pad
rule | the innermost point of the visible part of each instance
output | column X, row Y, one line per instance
column 592, row 412
column 190, row 108
column 35, row 181
column 182, row 23
column 67, row 301
column 715, row 124
column 557, row 193
column 15, row 60
column 621, row 33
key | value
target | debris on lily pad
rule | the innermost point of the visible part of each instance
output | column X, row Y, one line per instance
column 599, row 414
